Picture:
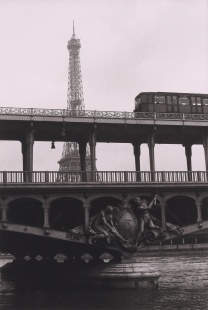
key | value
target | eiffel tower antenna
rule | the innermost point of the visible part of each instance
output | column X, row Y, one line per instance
column 73, row 36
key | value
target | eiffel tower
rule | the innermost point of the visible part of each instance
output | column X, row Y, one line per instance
column 70, row 160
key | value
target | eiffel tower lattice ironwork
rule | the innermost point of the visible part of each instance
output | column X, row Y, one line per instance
column 70, row 160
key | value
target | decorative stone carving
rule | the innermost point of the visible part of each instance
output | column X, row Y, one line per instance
column 127, row 226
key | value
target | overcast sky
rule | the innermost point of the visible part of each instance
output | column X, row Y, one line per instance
column 128, row 46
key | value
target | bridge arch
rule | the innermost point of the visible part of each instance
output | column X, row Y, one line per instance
column 26, row 211
column 116, row 196
column 181, row 210
column 66, row 213
column 28, row 196
column 53, row 197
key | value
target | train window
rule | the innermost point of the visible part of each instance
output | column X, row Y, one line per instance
column 205, row 101
column 149, row 98
column 174, row 100
column 198, row 100
column 195, row 100
column 159, row 100
column 137, row 102
column 144, row 98
column 184, row 100
column 169, row 101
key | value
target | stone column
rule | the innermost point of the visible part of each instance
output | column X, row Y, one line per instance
column 29, row 149
column 205, row 144
column 163, row 213
column 46, row 209
column 199, row 211
column 4, row 210
column 24, row 156
column 188, row 153
column 151, row 145
column 82, row 153
column 92, row 143
column 188, row 156
column 137, row 153
column 27, row 154
column 87, row 216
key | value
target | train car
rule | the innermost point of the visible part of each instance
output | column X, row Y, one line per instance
column 164, row 102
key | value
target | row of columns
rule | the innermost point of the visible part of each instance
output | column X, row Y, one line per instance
column 27, row 151
column 151, row 146
column 46, row 208
column 28, row 143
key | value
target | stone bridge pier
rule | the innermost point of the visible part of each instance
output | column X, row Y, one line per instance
column 43, row 222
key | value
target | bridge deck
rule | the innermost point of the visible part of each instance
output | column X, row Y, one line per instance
column 111, row 126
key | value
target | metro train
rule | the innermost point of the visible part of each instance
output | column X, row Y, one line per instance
column 163, row 102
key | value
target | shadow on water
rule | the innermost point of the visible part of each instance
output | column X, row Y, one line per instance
column 183, row 285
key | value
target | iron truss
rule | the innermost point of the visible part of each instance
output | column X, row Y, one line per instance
column 70, row 160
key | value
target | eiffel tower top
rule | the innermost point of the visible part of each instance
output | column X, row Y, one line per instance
column 75, row 97
column 74, row 43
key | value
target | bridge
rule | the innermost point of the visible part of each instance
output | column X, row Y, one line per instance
column 28, row 125
column 45, row 206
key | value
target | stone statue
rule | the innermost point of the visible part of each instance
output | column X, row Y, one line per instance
column 127, row 226
column 150, row 228
column 145, row 221
column 102, row 227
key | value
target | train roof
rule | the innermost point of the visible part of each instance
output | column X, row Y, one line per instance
column 171, row 93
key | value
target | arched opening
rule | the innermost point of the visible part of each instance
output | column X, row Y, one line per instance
column 26, row 211
column 204, row 209
column 66, row 213
column 100, row 203
column 181, row 211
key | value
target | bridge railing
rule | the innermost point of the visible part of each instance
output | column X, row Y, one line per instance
column 101, row 114
column 9, row 177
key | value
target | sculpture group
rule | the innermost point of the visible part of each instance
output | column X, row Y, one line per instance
column 128, row 225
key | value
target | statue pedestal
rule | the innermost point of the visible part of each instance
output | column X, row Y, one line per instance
column 126, row 275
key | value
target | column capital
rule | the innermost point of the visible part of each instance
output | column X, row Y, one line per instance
column 4, row 206
column 46, row 205
column 86, row 205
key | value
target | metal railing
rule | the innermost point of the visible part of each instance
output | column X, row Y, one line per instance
column 14, row 177
column 101, row 114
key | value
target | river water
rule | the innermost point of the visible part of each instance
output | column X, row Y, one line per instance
column 183, row 285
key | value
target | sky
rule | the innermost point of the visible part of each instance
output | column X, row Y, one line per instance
column 127, row 47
